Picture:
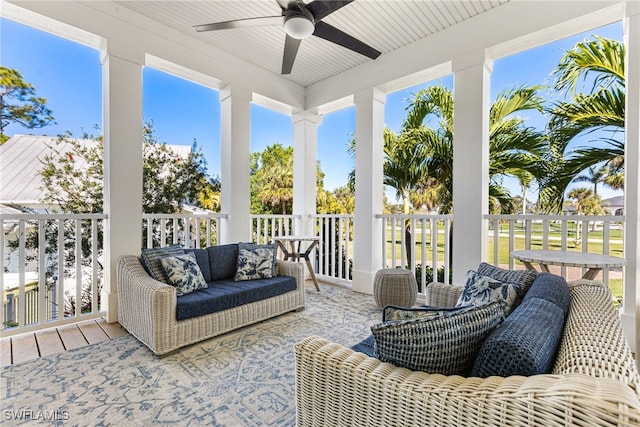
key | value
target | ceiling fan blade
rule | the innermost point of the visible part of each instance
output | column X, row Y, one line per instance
column 321, row 8
column 291, row 46
column 334, row 35
column 262, row 21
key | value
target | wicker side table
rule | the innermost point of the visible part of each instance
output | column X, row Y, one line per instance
column 395, row 286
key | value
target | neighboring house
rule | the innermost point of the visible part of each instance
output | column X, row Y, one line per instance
column 21, row 160
column 614, row 205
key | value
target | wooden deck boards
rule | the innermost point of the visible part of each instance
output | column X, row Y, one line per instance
column 30, row 346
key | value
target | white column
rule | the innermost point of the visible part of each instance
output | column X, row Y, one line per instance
column 367, row 251
column 305, row 159
column 235, row 127
column 122, row 121
column 470, row 162
column 630, row 313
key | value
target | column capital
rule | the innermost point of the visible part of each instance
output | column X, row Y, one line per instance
column 631, row 8
column 473, row 59
column 306, row 116
column 235, row 91
column 366, row 95
column 121, row 50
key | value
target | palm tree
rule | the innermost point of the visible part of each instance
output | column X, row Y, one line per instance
column 594, row 175
column 601, row 61
column 514, row 149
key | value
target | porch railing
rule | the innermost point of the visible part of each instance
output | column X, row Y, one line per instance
column 188, row 230
column 50, row 269
column 264, row 228
column 420, row 243
column 334, row 256
column 581, row 233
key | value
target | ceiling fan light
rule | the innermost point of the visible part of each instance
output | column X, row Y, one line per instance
column 298, row 27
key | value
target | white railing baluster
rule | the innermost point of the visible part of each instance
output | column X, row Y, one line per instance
column 22, row 306
column 78, row 237
column 60, row 278
column 42, row 280
column 95, row 308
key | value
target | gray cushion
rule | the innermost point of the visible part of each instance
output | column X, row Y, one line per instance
column 183, row 273
column 446, row 344
column 524, row 278
column 151, row 257
column 202, row 257
column 527, row 342
column 223, row 260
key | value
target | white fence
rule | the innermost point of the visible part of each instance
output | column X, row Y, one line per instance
column 50, row 269
column 188, row 230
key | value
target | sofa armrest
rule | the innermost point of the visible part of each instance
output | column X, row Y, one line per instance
column 291, row 268
column 592, row 314
column 337, row 386
column 146, row 307
column 442, row 295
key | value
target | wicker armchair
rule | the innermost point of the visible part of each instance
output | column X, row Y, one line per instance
column 594, row 381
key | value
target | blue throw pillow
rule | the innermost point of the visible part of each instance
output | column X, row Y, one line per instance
column 445, row 344
column 151, row 260
column 394, row 312
column 184, row 273
column 479, row 289
column 255, row 263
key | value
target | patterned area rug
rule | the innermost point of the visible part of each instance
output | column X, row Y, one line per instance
column 243, row 378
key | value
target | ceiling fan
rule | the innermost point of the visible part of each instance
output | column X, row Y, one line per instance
column 300, row 21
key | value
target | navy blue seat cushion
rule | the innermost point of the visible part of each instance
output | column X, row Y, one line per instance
column 202, row 258
column 526, row 343
column 223, row 261
column 366, row 346
column 226, row 294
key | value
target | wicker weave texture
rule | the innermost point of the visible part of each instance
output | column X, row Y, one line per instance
column 147, row 308
column 339, row 387
column 395, row 286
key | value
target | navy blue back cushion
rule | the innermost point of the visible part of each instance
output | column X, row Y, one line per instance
column 225, row 294
column 202, row 258
column 223, row 261
column 552, row 288
column 527, row 342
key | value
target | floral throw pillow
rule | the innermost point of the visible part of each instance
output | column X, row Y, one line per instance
column 184, row 273
column 254, row 263
column 479, row 290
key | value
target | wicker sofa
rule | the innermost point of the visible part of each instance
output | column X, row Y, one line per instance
column 147, row 308
column 594, row 380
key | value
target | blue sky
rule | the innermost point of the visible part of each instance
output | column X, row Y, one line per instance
column 69, row 76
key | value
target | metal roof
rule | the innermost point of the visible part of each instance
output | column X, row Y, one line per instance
column 21, row 160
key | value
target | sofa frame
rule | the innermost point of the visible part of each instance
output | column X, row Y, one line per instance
column 147, row 308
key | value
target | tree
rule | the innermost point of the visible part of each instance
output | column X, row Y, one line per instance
column 594, row 175
column 18, row 103
column 600, row 63
column 72, row 179
column 514, row 149
column 272, row 179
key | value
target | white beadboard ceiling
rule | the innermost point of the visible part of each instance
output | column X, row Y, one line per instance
column 386, row 25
